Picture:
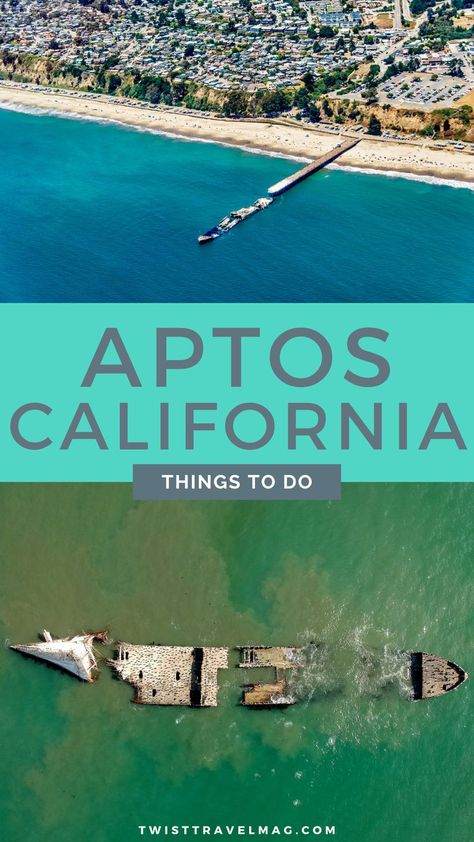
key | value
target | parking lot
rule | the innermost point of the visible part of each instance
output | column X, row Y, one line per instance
column 426, row 90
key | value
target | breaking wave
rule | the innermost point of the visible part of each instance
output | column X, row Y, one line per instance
column 355, row 665
column 254, row 150
column 409, row 176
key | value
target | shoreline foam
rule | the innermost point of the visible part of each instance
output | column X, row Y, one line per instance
column 301, row 144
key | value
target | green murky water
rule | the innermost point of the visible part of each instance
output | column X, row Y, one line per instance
column 387, row 568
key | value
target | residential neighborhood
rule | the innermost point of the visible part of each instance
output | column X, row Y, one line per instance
column 246, row 45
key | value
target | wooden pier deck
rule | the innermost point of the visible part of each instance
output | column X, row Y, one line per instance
column 291, row 180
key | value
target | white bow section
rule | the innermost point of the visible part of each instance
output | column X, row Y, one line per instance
column 73, row 654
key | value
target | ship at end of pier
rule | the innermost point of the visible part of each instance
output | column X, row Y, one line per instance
column 233, row 219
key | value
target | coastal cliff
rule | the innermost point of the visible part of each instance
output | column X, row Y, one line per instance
column 450, row 123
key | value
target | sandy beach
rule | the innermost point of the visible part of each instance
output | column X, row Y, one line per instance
column 419, row 158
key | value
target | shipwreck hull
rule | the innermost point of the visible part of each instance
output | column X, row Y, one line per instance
column 432, row 676
column 170, row 675
column 74, row 655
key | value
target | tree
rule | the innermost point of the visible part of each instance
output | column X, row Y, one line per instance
column 111, row 61
column 301, row 98
column 273, row 102
column 327, row 108
column 370, row 94
column 374, row 71
column 455, row 67
column 180, row 18
column 417, row 7
column 465, row 114
column 309, row 81
column 375, row 126
column 100, row 76
column 235, row 104
column 114, row 82
column 313, row 113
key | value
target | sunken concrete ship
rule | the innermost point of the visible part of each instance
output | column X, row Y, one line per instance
column 71, row 654
column 188, row 675
column 432, row 676
column 278, row 658
column 234, row 218
column 171, row 675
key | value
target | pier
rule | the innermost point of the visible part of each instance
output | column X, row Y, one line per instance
column 235, row 217
column 291, row 180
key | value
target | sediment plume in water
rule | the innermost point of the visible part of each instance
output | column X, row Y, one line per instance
column 351, row 667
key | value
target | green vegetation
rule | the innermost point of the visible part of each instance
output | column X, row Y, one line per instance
column 114, row 82
column 441, row 25
column 464, row 114
column 375, row 126
column 305, row 98
column 272, row 103
column 396, row 68
column 308, row 101
column 417, row 7
column 154, row 89
column 326, row 32
column 236, row 104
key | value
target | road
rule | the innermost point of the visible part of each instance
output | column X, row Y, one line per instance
column 406, row 10
column 397, row 15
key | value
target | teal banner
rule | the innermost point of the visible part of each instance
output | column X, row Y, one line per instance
column 90, row 390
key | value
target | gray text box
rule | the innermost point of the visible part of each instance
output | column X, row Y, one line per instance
column 237, row 482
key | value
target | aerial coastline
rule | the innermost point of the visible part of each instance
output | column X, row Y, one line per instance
column 84, row 762
column 421, row 158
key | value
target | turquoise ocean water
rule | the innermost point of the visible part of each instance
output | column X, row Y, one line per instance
column 96, row 212
column 387, row 568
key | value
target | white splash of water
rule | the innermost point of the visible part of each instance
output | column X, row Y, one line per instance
column 253, row 150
